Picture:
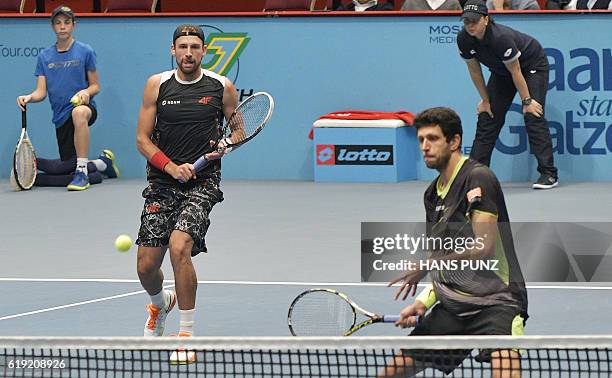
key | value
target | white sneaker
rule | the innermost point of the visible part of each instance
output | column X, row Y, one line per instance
column 156, row 322
column 181, row 356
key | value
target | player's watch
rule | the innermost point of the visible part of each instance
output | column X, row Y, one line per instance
column 527, row 101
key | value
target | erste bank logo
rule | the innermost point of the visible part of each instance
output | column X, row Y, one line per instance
column 326, row 154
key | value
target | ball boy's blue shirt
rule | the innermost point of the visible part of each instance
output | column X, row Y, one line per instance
column 66, row 74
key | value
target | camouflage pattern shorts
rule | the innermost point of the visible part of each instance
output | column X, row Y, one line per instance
column 173, row 208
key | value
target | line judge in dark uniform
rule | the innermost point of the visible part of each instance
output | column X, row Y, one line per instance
column 517, row 63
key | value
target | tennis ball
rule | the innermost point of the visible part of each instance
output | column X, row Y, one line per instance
column 123, row 243
column 75, row 100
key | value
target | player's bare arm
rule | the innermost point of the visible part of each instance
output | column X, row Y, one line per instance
column 93, row 89
column 230, row 102
column 146, row 124
column 39, row 94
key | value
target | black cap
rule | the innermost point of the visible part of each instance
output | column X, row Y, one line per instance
column 62, row 9
column 474, row 9
column 187, row 30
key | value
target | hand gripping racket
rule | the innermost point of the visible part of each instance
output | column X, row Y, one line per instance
column 249, row 118
column 23, row 173
column 327, row 312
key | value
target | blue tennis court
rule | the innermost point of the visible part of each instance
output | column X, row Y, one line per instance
column 65, row 278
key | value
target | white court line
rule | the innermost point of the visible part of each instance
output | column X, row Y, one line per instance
column 74, row 304
column 170, row 283
column 278, row 283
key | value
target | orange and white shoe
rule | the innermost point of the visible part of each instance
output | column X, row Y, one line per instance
column 156, row 322
column 182, row 356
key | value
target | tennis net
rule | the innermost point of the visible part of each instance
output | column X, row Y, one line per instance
column 574, row 356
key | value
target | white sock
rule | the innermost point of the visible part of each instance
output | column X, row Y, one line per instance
column 158, row 300
column 100, row 165
column 186, row 321
column 82, row 165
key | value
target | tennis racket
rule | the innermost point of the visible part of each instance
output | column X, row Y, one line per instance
column 327, row 312
column 23, row 173
column 249, row 118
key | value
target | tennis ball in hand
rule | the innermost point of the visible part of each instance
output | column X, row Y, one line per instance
column 123, row 243
column 75, row 100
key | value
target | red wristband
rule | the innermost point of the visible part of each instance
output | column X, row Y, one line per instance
column 159, row 160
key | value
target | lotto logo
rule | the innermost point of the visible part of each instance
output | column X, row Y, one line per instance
column 329, row 154
column 326, row 154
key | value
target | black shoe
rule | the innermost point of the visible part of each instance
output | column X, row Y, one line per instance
column 545, row 182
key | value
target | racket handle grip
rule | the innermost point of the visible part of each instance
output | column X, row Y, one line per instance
column 390, row 318
column 201, row 162
column 394, row 318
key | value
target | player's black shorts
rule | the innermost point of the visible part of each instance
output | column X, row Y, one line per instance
column 65, row 135
column 494, row 320
column 184, row 209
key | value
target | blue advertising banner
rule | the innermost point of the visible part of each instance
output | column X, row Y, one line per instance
column 315, row 65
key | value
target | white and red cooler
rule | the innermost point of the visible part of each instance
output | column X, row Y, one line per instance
column 363, row 146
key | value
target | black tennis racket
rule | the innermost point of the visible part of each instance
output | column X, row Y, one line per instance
column 23, row 173
column 327, row 312
column 249, row 118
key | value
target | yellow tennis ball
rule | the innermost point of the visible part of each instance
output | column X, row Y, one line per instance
column 75, row 100
column 123, row 243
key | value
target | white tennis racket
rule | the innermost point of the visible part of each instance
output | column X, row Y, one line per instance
column 249, row 118
column 327, row 312
column 23, row 173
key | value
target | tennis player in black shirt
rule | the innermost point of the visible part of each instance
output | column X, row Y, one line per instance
column 466, row 199
column 517, row 63
column 179, row 121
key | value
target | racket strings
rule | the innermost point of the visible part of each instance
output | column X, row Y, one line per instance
column 25, row 164
column 321, row 314
column 249, row 118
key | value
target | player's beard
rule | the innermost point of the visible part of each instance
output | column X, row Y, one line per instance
column 190, row 71
column 441, row 162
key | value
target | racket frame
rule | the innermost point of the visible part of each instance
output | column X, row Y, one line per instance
column 23, row 139
column 202, row 161
column 259, row 128
column 372, row 317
